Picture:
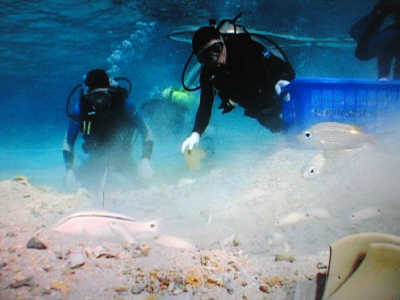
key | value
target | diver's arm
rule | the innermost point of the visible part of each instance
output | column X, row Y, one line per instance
column 278, row 72
column 262, row 64
column 203, row 114
column 281, row 69
column 145, row 132
column 283, row 73
column 144, row 169
column 68, row 144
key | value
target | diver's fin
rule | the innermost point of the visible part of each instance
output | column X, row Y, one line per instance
column 185, row 34
column 346, row 256
column 378, row 276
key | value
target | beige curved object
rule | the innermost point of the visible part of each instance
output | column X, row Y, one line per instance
column 348, row 255
column 378, row 276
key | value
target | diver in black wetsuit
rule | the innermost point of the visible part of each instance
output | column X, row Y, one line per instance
column 107, row 120
column 241, row 71
column 383, row 44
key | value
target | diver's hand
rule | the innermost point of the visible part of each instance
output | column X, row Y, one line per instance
column 70, row 181
column 145, row 171
column 278, row 89
column 191, row 142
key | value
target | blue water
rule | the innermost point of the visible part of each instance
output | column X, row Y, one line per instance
column 46, row 48
column 246, row 186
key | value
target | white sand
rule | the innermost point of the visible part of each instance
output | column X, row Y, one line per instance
column 239, row 215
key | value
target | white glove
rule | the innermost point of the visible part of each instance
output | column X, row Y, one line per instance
column 70, row 181
column 144, row 169
column 278, row 89
column 191, row 142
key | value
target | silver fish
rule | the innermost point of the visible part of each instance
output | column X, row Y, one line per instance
column 335, row 136
column 314, row 166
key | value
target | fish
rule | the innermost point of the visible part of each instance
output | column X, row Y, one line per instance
column 104, row 225
column 366, row 213
column 315, row 166
column 173, row 242
column 292, row 218
column 330, row 136
column 296, row 217
column 326, row 162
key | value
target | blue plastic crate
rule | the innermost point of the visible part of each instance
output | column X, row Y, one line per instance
column 366, row 103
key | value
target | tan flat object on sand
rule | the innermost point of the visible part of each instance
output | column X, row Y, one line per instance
column 378, row 276
column 349, row 254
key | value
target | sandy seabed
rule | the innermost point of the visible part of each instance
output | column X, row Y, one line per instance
column 256, row 240
column 74, row 268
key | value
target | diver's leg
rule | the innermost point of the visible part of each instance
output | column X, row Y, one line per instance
column 92, row 171
column 384, row 66
column 387, row 47
column 269, row 112
column 365, row 32
column 269, row 118
column 384, row 43
column 271, row 121
column 396, row 69
column 124, row 168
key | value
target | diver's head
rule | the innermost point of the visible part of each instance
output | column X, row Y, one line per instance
column 97, row 78
column 209, row 47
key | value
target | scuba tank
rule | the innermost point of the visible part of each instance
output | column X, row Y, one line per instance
column 94, row 103
column 228, row 29
column 81, row 88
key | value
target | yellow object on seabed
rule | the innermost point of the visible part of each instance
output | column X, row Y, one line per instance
column 193, row 158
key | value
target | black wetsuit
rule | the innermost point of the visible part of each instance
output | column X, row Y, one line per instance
column 383, row 44
column 248, row 78
column 109, row 137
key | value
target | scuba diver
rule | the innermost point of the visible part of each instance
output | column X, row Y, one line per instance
column 167, row 110
column 242, row 72
column 107, row 121
column 383, row 44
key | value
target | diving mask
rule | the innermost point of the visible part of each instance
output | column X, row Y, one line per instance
column 211, row 53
